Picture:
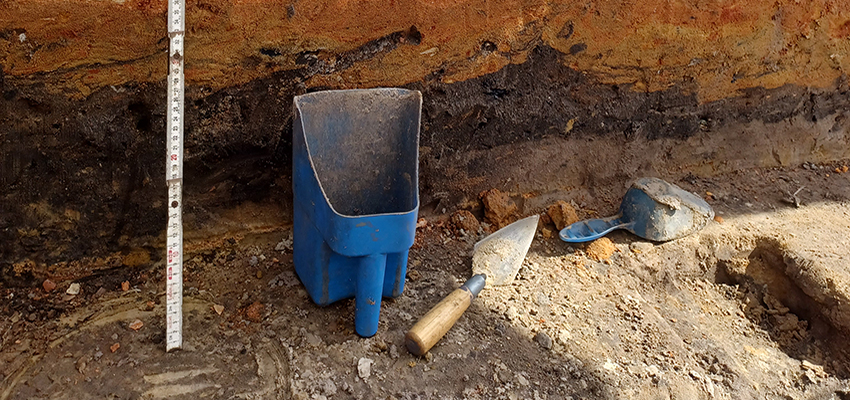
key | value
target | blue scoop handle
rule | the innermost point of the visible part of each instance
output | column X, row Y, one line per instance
column 592, row 229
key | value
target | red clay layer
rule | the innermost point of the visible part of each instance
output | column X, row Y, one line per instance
column 713, row 47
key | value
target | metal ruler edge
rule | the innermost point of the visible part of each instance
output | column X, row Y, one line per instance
column 174, row 176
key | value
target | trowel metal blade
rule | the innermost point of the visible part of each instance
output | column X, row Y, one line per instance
column 499, row 256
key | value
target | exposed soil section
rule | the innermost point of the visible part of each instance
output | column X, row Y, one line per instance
column 80, row 178
column 715, row 50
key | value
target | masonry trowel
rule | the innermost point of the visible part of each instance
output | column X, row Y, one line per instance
column 496, row 260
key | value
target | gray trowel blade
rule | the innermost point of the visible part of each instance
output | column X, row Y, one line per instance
column 499, row 256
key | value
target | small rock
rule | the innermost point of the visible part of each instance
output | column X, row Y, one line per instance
column 218, row 308
column 253, row 261
column 562, row 214
column 380, row 345
column 283, row 245
column 31, row 317
column 541, row 299
column 114, row 347
column 511, row 313
column 600, row 249
column 114, row 336
column 254, row 312
column 125, row 286
column 719, row 219
column 393, row 351
column 136, row 325
column 413, row 275
column 564, row 336
column 329, row 388
column 521, row 380
column 641, row 247
column 48, row 285
column 809, row 366
column 543, row 340
column 429, row 357
column 652, row 370
column 313, row 340
column 499, row 208
column 464, row 220
column 101, row 291
column 364, row 368
column 97, row 355
column 81, row 365
column 73, row 290
column 609, row 366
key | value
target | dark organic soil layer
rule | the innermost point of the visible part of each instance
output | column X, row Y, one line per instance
column 83, row 179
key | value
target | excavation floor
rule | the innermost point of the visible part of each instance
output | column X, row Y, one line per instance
column 751, row 307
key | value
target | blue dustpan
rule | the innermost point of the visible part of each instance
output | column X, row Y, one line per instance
column 356, row 195
column 652, row 209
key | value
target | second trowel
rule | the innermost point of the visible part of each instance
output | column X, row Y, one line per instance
column 496, row 260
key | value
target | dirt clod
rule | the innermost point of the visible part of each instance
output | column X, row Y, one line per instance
column 463, row 219
column 48, row 285
column 562, row 214
column 254, row 312
column 600, row 249
column 136, row 325
column 499, row 208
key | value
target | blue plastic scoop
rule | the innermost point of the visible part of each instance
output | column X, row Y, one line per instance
column 652, row 209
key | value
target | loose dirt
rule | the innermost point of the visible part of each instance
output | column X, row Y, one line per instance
column 721, row 314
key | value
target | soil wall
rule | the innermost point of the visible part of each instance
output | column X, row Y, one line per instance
column 532, row 97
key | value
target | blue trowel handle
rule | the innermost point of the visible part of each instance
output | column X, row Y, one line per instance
column 592, row 229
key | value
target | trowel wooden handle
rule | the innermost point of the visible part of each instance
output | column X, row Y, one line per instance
column 431, row 328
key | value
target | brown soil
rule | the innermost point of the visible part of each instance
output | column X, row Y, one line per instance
column 562, row 214
column 465, row 221
column 600, row 249
column 499, row 208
